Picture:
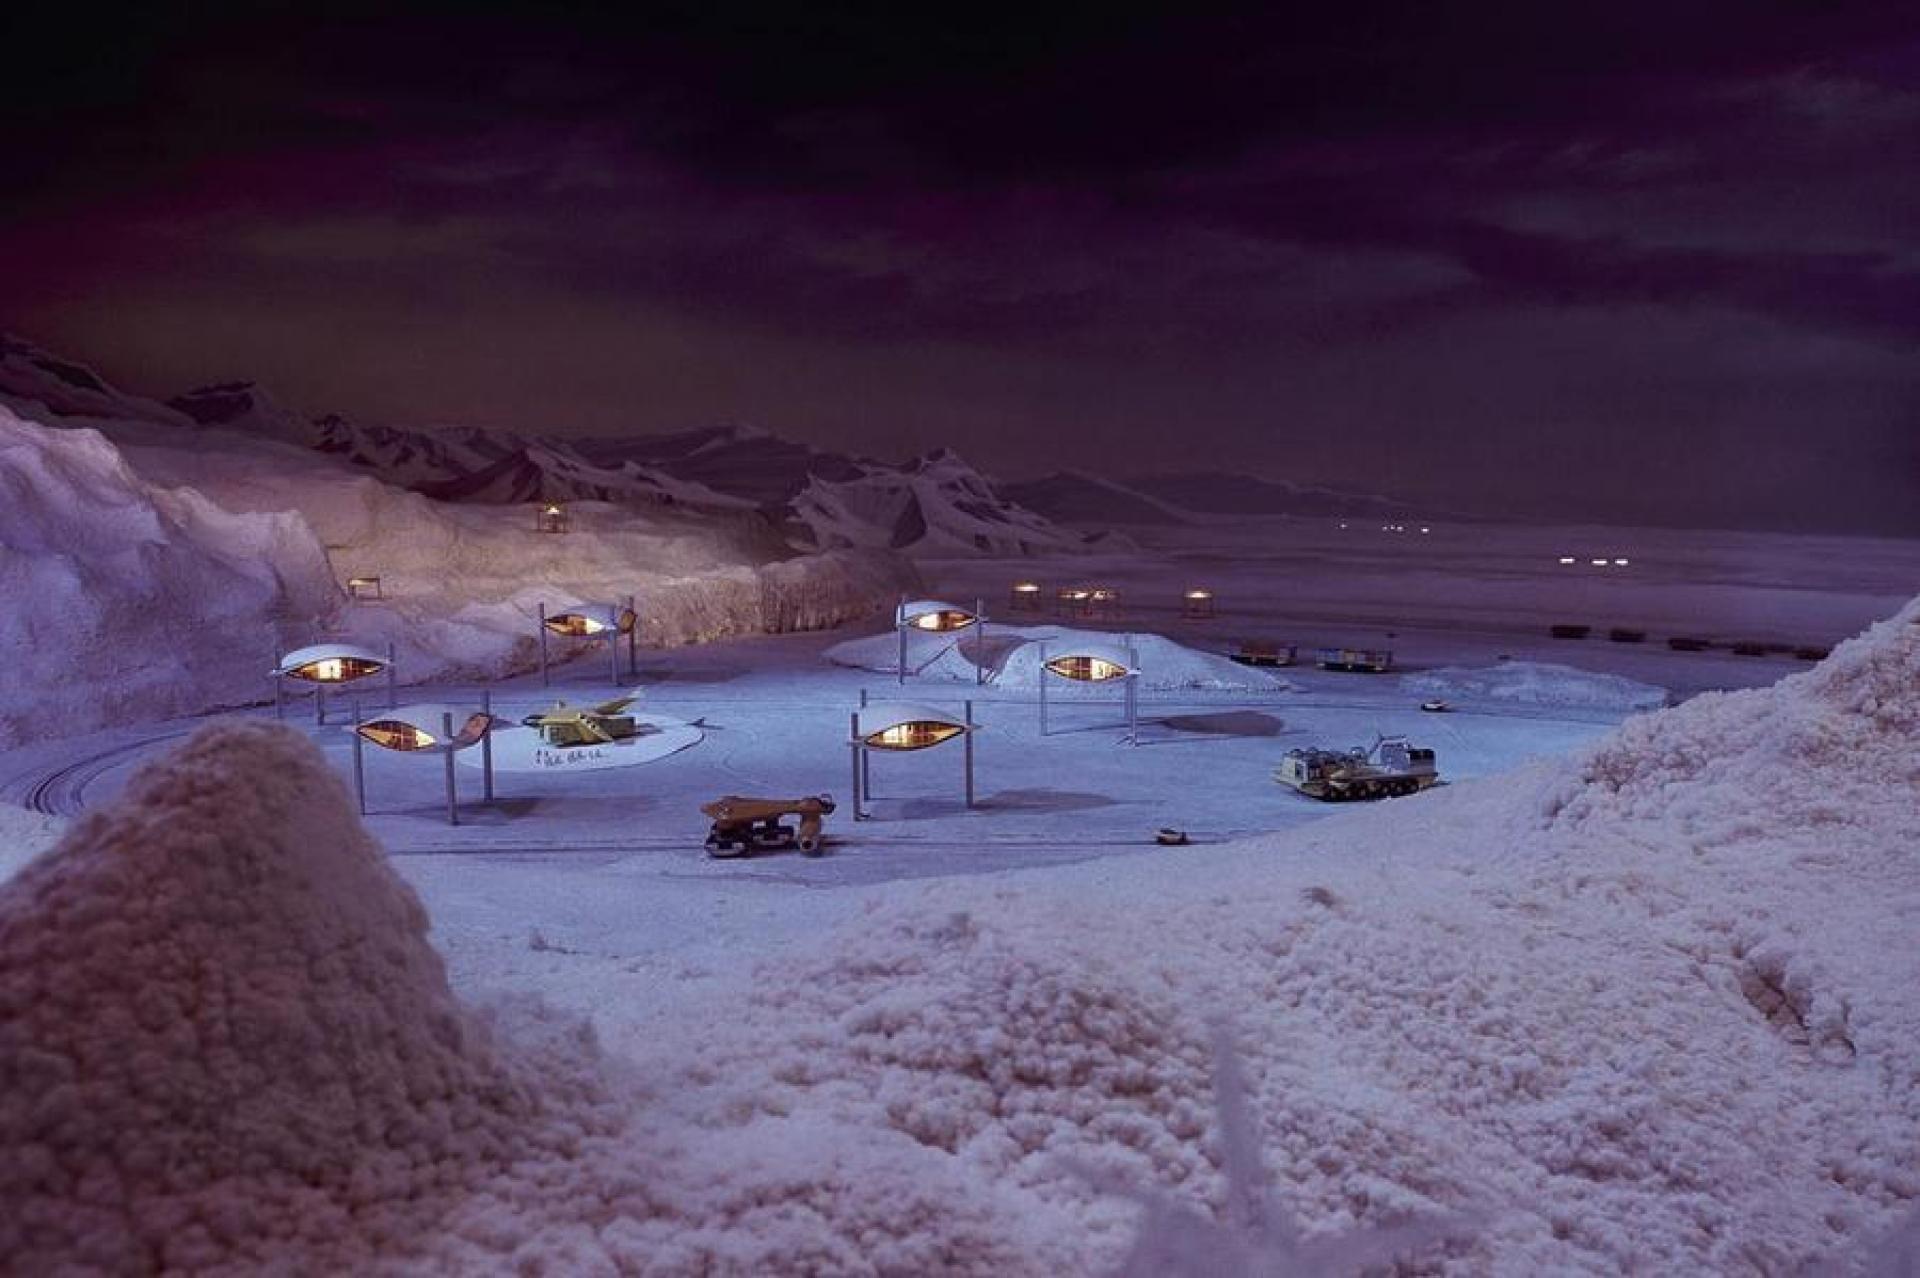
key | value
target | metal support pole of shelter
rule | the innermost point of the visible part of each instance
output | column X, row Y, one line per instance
column 900, row 624
column 486, row 744
column 393, row 679
column 319, row 703
column 613, row 641
column 545, row 679
column 859, row 754
column 969, row 752
column 1041, row 675
column 446, row 727
column 1133, row 693
column 866, row 757
column 633, row 637
column 359, row 760
column 979, row 641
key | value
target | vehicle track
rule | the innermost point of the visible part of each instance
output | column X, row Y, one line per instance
column 63, row 788
column 62, row 791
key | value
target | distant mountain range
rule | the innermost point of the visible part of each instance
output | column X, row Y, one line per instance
column 1074, row 497
column 931, row 505
column 935, row 505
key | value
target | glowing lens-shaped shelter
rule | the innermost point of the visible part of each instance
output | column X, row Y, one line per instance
column 934, row 616
column 331, row 663
column 423, row 727
column 397, row 736
column 912, row 736
column 899, row 725
column 586, row 623
column 1087, row 669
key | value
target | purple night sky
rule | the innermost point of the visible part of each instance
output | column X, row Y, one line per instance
column 1625, row 261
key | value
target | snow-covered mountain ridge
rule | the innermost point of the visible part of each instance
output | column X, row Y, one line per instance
column 933, row 505
column 152, row 566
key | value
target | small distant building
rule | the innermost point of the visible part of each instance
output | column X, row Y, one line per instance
column 551, row 517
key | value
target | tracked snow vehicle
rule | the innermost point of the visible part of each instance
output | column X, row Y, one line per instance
column 1390, row 767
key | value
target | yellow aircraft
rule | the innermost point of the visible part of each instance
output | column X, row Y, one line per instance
column 603, row 724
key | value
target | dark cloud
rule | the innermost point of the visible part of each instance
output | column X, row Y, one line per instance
column 1453, row 235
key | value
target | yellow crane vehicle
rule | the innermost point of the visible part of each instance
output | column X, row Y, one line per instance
column 746, row 825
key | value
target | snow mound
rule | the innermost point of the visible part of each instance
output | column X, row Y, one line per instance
column 25, row 834
column 1671, row 1026
column 1011, row 655
column 1539, row 683
column 224, row 1037
column 1836, row 745
column 159, row 570
column 126, row 599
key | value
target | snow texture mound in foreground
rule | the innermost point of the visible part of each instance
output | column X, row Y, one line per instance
column 1011, row 655
column 113, row 583
column 1653, row 1009
column 1656, row 1008
column 1539, row 683
column 224, row 1037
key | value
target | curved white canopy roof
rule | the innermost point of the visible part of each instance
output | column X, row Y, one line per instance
column 469, row 724
column 881, row 715
column 327, row 652
column 914, row 608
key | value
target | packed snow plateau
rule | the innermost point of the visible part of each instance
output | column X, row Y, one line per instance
column 1653, row 1007
column 1537, row 683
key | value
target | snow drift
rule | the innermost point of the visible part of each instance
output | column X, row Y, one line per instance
column 128, row 600
column 1653, row 1008
column 156, row 569
column 225, row 1040
column 1536, row 683
column 1011, row 656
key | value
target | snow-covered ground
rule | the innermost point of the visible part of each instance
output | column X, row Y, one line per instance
column 1537, row 683
column 1631, row 993
column 1651, row 1006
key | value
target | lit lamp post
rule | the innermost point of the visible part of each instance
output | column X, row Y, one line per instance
column 1094, row 663
column 932, row 616
column 326, row 665
column 1197, row 604
column 900, row 727
column 427, row 729
column 603, row 623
